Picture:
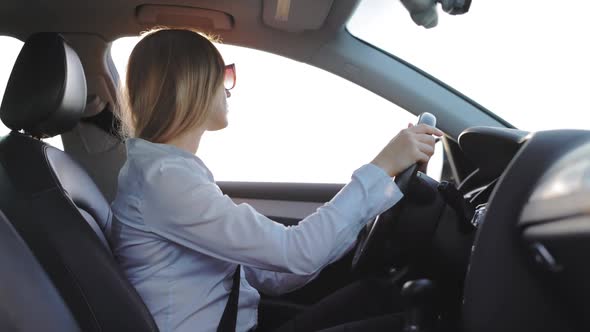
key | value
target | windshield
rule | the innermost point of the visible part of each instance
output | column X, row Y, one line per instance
column 526, row 61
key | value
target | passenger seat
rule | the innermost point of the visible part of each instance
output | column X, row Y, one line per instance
column 49, row 198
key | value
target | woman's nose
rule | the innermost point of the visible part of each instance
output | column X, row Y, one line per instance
column 227, row 93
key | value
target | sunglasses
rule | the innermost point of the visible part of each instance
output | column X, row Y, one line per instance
column 229, row 77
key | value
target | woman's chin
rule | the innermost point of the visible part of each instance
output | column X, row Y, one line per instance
column 218, row 126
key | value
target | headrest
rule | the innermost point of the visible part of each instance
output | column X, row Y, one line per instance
column 46, row 93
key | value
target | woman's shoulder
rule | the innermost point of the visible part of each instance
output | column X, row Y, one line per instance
column 160, row 161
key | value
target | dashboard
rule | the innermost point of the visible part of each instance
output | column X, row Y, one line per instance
column 491, row 150
column 511, row 251
column 527, row 269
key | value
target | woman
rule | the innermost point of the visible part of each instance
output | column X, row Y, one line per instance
column 179, row 240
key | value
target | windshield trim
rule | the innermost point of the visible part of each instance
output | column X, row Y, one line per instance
column 435, row 80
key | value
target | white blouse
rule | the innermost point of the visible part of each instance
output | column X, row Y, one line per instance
column 178, row 238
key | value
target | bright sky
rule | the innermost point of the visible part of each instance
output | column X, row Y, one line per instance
column 525, row 60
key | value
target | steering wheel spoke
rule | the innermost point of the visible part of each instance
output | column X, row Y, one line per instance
column 377, row 229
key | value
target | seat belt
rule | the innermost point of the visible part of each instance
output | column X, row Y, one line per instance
column 230, row 313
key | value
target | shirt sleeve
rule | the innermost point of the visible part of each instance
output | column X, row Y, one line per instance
column 186, row 208
column 276, row 283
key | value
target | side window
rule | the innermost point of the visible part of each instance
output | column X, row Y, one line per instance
column 10, row 48
column 291, row 122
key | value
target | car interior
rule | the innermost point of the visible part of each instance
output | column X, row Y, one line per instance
column 496, row 245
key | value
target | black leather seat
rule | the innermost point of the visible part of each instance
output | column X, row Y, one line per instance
column 49, row 198
column 29, row 302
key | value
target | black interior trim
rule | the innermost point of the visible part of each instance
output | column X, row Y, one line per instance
column 285, row 221
column 460, row 167
column 105, row 120
column 295, row 192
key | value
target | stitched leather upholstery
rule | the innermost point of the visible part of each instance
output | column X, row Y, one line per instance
column 49, row 198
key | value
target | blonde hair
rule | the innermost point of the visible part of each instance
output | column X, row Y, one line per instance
column 172, row 78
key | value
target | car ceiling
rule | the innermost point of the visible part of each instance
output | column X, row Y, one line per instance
column 110, row 19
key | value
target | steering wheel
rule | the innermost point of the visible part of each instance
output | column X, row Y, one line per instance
column 404, row 181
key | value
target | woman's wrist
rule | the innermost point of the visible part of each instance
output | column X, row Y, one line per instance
column 384, row 166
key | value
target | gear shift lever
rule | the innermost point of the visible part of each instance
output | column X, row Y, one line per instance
column 417, row 297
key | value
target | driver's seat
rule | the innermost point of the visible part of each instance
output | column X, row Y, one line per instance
column 26, row 290
column 49, row 198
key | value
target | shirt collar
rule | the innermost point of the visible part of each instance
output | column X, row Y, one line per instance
column 141, row 144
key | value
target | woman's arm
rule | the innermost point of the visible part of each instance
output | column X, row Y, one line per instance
column 190, row 210
column 278, row 283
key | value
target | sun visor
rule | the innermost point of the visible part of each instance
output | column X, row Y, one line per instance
column 296, row 15
column 180, row 16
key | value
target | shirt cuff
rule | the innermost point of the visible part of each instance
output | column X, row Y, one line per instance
column 382, row 191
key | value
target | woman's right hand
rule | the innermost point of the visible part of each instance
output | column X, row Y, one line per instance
column 412, row 145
